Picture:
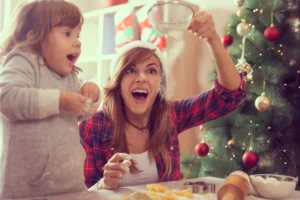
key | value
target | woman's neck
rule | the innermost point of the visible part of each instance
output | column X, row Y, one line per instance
column 138, row 120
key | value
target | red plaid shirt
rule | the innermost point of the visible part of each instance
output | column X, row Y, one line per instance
column 97, row 131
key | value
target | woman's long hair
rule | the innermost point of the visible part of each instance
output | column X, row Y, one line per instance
column 160, row 117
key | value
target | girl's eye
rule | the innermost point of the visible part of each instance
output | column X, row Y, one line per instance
column 67, row 33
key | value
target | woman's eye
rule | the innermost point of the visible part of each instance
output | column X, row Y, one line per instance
column 129, row 71
column 152, row 71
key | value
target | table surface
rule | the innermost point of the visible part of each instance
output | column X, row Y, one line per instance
column 124, row 191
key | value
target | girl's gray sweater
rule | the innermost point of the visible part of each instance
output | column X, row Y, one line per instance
column 40, row 151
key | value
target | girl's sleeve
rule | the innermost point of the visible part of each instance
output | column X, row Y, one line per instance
column 19, row 98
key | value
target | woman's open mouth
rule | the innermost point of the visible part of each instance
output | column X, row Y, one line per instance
column 139, row 96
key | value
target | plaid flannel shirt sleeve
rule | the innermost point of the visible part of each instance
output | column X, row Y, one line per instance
column 208, row 106
column 91, row 173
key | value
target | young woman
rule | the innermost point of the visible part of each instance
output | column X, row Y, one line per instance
column 138, row 124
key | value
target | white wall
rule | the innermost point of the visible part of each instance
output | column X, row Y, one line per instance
column 194, row 65
column 221, row 11
column 1, row 15
column 5, row 10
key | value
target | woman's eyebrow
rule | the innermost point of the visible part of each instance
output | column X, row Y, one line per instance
column 151, row 64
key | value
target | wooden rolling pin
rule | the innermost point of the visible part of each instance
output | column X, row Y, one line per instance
column 235, row 187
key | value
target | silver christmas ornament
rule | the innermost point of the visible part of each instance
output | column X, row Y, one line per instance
column 243, row 66
column 242, row 29
column 263, row 102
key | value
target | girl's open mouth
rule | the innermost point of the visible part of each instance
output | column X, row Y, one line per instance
column 72, row 57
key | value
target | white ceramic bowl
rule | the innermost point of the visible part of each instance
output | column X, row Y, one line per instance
column 273, row 186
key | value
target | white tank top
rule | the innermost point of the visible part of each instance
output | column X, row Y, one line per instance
column 147, row 175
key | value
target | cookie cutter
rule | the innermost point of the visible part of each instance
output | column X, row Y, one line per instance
column 188, row 186
column 199, row 187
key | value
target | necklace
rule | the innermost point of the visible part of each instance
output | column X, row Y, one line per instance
column 140, row 129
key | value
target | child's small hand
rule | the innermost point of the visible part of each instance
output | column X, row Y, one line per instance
column 75, row 103
column 90, row 90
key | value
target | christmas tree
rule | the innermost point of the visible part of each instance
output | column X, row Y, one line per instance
column 263, row 134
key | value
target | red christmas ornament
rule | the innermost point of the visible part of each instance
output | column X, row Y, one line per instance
column 201, row 149
column 201, row 127
column 272, row 34
column 250, row 159
column 227, row 40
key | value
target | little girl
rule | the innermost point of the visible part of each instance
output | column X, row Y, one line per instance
column 42, row 101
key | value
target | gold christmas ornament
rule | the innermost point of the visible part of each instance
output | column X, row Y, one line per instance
column 243, row 28
column 243, row 66
column 231, row 143
column 263, row 103
column 240, row 12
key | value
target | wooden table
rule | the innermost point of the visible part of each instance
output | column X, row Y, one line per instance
column 121, row 192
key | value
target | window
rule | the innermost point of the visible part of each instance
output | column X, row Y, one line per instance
column 5, row 8
column 1, row 15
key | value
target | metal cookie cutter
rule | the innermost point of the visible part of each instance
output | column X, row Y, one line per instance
column 210, row 188
column 188, row 186
column 199, row 187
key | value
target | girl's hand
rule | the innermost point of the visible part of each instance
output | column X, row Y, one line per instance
column 90, row 90
column 75, row 103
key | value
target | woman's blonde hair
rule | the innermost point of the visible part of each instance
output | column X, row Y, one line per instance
column 39, row 18
column 160, row 117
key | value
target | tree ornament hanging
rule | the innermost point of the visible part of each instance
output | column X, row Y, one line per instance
column 250, row 159
column 231, row 143
column 239, row 3
column 240, row 12
column 227, row 40
column 242, row 28
column 263, row 103
column 272, row 33
column 244, row 66
column 201, row 149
